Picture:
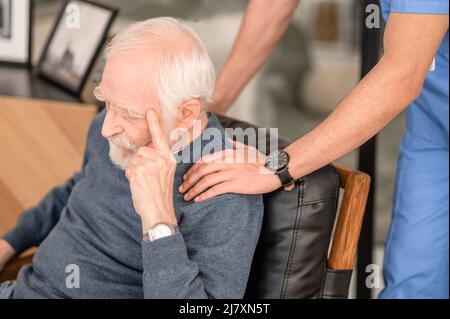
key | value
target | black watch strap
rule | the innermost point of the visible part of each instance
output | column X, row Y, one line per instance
column 284, row 176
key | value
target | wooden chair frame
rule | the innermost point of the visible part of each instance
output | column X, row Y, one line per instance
column 344, row 245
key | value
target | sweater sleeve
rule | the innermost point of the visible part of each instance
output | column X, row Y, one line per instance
column 211, row 256
column 36, row 223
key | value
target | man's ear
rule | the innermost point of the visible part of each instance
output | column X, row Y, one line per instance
column 189, row 112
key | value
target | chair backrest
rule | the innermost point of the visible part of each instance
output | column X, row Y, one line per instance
column 291, row 259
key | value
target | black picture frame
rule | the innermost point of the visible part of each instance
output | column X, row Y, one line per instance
column 49, row 72
column 5, row 61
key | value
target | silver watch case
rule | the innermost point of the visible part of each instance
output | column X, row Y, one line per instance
column 160, row 230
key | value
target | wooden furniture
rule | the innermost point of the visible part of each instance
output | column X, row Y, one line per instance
column 344, row 245
column 42, row 145
column 12, row 269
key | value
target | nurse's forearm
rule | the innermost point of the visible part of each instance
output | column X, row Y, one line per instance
column 264, row 23
column 372, row 104
column 410, row 44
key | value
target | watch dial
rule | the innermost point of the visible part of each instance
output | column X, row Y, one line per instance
column 161, row 231
column 277, row 160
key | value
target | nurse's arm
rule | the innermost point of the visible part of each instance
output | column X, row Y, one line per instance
column 411, row 42
column 264, row 22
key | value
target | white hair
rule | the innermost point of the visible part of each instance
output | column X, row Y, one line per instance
column 185, row 70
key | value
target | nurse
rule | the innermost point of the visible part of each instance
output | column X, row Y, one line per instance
column 413, row 73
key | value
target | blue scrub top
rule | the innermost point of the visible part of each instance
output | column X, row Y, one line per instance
column 430, row 116
column 416, row 255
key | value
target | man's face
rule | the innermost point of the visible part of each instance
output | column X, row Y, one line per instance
column 128, row 90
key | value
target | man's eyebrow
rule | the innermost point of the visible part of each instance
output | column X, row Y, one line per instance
column 99, row 96
column 128, row 111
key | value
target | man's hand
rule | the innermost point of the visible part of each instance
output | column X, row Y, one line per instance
column 151, row 175
column 6, row 253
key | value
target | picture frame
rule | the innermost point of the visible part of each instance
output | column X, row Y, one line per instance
column 16, row 22
column 75, row 43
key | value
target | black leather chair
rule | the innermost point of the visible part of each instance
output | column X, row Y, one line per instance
column 291, row 259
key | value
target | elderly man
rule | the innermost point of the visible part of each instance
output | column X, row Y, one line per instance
column 120, row 228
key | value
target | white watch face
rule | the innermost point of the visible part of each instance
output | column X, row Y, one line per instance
column 160, row 231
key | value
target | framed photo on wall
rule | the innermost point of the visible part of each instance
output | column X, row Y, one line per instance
column 15, row 32
column 75, row 43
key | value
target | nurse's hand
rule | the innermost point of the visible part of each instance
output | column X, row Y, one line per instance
column 239, row 170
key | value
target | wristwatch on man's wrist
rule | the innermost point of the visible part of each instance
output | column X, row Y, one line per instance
column 160, row 230
column 277, row 162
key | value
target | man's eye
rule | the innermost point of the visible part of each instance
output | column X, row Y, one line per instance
column 127, row 116
column 134, row 119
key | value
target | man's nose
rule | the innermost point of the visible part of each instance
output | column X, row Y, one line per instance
column 111, row 125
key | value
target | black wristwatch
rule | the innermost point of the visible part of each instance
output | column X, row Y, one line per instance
column 277, row 162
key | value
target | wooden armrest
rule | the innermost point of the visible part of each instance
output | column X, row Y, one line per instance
column 12, row 268
column 356, row 185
